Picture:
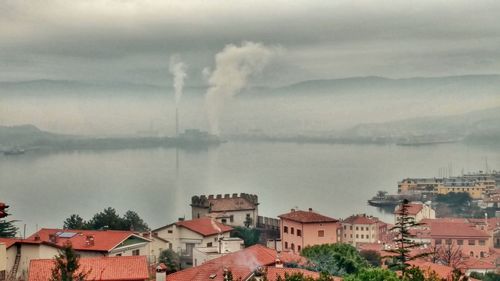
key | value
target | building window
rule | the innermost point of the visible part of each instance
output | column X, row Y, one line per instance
column 118, row 255
column 292, row 246
column 321, row 233
column 209, row 244
column 357, row 235
column 351, row 235
column 231, row 218
column 223, row 220
column 482, row 242
column 170, row 231
column 482, row 254
column 472, row 242
column 362, row 236
column 285, row 229
column 460, row 242
column 299, row 248
column 438, row 242
column 135, row 252
column 345, row 227
column 357, row 228
column 286, row 245
column 292, row 230
column 299, row 232
column 350, row 227
column 448, row 241
column 345, row 235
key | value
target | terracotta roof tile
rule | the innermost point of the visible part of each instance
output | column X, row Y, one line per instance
column 307, row 217
column 104, row 240
column 273, row 273
column 101, row 268
column 361, row 219
column 204, row 226
column 230, row 204
column 443, row 271
column 241, row 264
column 450, row 230
column 413, row 209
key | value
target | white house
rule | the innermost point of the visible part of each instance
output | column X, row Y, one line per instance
column 418, row 211
column 184, row 236
column 45, row 244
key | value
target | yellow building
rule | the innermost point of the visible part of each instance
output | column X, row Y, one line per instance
column 476, row 190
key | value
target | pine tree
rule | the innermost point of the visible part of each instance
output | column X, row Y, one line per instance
column 403, row 225
column 67, row 266
column 7, row 228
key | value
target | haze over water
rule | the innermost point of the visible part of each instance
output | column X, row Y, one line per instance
column 336, row 180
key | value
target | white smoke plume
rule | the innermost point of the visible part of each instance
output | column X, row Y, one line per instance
column 178, row 69
column 234, row 65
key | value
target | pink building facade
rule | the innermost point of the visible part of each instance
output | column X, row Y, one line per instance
column 300, row 229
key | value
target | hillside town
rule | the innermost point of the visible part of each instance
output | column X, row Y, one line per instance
column 212, row 244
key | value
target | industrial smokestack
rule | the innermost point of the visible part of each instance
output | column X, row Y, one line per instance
column 178, row 70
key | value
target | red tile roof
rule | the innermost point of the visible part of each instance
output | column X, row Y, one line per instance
column 104, row 240
column 413, row 209
column 451, row 230
column 9, row 241
column 230, row 204
column 307, row 217
column 241, row 264
column 273, row 273
column 473, row 263
column 204, row 226
column 101, row 268
column 361, row 219
column 443, row 271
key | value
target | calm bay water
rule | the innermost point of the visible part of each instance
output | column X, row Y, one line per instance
column 44, row 189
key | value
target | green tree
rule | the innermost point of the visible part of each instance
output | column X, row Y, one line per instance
column 171, row 259
column 132, row 221
column 75, row 222
column 250, row 236
column 107, row 219
column 373, row 257
column 67, row 265
column 373, row 274
column 7, row 227
column 404, row 239
column 335, row 259
column 489, row 276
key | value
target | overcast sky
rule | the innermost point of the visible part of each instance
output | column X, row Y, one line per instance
column 131, row 40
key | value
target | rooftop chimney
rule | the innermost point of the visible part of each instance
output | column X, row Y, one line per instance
column 278, row 263
column 53, row 238
column 89, row 240
column 161, row 272
column 310, row 209
column 292, row 210
column 226, row 196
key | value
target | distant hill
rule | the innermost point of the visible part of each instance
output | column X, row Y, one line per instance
column 23, row 135
column 485, row 84
column 454, row 85
column 476, row 126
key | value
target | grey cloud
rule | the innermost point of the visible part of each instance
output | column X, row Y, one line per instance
column 123, row 40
